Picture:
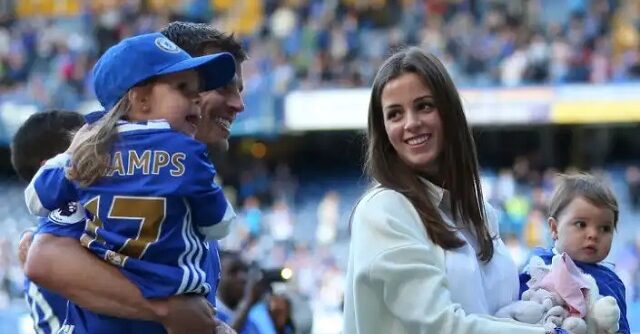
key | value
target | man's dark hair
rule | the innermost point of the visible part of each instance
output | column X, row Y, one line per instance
column 229, row 255
column 195, row 38
column 42, row 136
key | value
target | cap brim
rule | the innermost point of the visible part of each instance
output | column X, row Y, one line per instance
column 216, row 70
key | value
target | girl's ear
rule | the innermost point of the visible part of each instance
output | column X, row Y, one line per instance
column 139, row 99
column 553, row 226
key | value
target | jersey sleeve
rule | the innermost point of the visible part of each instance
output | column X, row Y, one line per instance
column 210, row 210
column 68, row 221
column 615, row 288
column 49, row 188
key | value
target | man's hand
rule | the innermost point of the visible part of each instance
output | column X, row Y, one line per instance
column 23, row 246
column 222, row 328
column 256, row 287
column 187, row 315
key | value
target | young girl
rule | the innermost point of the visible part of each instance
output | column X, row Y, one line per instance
column 146, row 183
column 583, row 214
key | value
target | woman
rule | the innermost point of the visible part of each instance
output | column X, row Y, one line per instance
column 425, row 253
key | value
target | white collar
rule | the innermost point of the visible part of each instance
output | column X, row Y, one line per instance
column 126, row 126
column 439, row 195
column 436, row 192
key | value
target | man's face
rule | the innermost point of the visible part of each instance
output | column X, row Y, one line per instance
column 233, row 279
column 219, row 108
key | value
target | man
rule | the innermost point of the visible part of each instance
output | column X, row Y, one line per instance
column 239, row 295
column 62, row 265
column 28, row 152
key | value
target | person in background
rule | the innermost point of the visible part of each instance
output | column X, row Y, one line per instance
column 280, row 311
column 42, row 136
column 240, row 296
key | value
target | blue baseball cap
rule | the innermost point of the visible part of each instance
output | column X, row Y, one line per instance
column 138, row 58
column 94, row 116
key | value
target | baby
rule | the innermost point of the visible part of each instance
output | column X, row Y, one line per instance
column 583, row 214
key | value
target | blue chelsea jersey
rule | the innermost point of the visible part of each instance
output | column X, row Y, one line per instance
column 153, row 212
column 48, row 309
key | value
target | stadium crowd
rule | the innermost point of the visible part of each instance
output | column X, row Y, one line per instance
column 311, row 44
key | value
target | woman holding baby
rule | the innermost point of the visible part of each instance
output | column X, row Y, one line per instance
column 425, row 253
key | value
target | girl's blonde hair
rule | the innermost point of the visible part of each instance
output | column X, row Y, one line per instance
column 91, row 159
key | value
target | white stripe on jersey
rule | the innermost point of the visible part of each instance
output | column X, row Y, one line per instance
column 124, row 126
column 35, row 316
column 187, row 249
column 192, row 268
column 193, row 277
column 37, row 301
column 201, row 275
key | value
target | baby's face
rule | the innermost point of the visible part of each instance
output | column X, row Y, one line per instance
column 584, row 231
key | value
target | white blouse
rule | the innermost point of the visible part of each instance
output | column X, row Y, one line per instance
column 400, row 282
column 480, row 288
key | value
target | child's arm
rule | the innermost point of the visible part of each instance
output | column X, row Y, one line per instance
column 50, row 189
column 617, row 291
column 210, row 210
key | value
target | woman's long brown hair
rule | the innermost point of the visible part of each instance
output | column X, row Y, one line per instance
column 458, row 164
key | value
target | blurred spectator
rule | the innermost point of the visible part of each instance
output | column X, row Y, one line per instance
column 305, row 275
column 515, row 214
column 280, row 311
column 281, row 223
column 239, row 292
column 633, row 182
column 283, row 185
column 536, row 231
column 505, row 187
column 628, row 268
column 539, row 199
column 252, row 216
column 518, row 252
column 328, row 215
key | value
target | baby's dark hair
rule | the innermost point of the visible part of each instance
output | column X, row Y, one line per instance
column 42, row 136
column 582, row 185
